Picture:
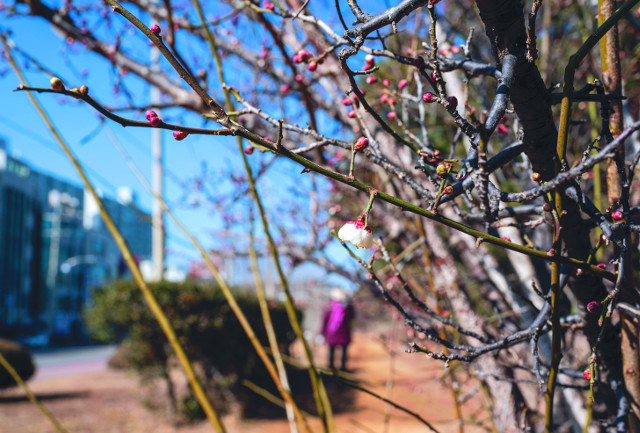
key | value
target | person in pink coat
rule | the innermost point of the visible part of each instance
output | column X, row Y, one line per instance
column 336, row 326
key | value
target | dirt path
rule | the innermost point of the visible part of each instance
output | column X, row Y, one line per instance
column 112, row 402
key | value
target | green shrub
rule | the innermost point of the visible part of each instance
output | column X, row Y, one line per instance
column 20, row 358
column 204, row 323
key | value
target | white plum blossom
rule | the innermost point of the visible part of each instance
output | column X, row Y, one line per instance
column 356, row 233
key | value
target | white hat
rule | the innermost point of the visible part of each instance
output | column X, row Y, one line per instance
column 338, row 294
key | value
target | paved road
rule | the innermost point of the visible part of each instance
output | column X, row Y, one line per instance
column 55, row 363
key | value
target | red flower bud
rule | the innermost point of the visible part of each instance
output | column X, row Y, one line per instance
column 268, row 5
column 593, row 307
column 361, row 144
column 429, row 98
column 402, row 84
column 501, row 129
column 248, row 150
column 154, row 121
column 391, row 115
column 180, row 135
column 155, row 29
column 347, row 101
column 616, row 215
column 149, row 114
column 587, row 374
column 453, row 101
column 312, row 66
column 351, row 114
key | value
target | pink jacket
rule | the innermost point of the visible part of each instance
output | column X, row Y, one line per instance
column 336, row 326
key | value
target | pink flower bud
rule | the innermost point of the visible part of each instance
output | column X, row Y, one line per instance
column 347, row 101
column 429, row 98
column 402, row 84
column 268, row 5
column 299, row 78
column 312, row 66
column 149, row 114
column 284, row 89
column 391, row 115
column 351, row 114
column 391, row 100
column 361, row 144
column 154, row 121
column 455, row 49
column 155, row 29
column 386, row 82
column 384, row 97
column 371, row 79
column 248, row 150
column 296, row 59
column 593, row 307
column 180, row 135
column 601, row 266
column 370, row 59
column 501, row 129
column 433, row 76
column 453, row 101
column 587, row 374
column 444, row 51
column 616, row 215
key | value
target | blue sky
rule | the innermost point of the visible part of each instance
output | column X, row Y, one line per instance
column 30, row 140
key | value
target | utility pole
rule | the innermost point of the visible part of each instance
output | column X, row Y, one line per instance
column 157, row 182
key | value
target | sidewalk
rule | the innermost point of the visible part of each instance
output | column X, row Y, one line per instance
column 108, row 401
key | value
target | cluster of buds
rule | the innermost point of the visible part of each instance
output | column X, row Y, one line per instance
column 442, row 169
column 586, row 374
column 152, row 117
column 357, row 233
column 431, row 158
column 302, row 56
column 361, row 144
column 266, row 4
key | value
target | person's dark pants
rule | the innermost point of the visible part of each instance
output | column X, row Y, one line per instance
column 332, row 352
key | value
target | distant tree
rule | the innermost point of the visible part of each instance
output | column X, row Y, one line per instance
column 200, row 315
